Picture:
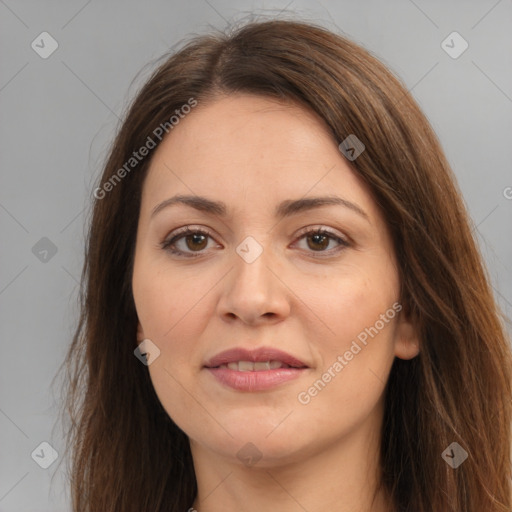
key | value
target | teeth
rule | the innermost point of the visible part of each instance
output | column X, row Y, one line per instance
column 245, row 366
column 250, row 366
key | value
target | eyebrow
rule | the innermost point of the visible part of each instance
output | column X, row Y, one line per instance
column 286, row 208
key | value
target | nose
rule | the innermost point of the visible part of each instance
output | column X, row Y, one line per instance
column 253, row 292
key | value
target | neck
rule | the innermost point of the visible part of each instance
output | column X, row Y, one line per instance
column 343, row 476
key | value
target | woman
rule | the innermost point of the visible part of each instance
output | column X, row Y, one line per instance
column 278, row 239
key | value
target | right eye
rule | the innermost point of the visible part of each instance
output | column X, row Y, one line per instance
column 191, row 239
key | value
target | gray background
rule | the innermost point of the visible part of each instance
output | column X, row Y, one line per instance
column 59, row 114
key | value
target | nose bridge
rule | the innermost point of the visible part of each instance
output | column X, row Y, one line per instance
column 252, row 290
column 252, row 259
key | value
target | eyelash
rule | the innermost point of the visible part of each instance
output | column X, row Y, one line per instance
column 168, row 244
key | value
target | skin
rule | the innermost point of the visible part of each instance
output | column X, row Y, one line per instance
column 252, row 153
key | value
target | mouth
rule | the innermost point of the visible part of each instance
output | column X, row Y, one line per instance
column 260, row 359
column 251, row 366
column 254, row 370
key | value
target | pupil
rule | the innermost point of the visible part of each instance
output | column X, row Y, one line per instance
column 194, row 238
column 325, row 239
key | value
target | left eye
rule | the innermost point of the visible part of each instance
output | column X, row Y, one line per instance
column 321, row 238
column 196, row 240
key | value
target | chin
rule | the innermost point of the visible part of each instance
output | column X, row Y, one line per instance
column 259, row 445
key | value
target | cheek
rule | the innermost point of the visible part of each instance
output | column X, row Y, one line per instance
column 173, row 311
column 357, row 350
column 355, row 356
column 172, row 315
column 352, row 305
column 169, row 305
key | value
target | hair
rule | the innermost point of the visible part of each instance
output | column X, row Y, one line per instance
column 126, row 452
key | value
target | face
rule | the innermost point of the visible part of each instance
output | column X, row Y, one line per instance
column 263, row 274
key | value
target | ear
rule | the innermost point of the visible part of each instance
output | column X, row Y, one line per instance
column 140, row 332
column 407, row 343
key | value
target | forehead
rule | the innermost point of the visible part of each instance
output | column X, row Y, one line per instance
column 252, row 150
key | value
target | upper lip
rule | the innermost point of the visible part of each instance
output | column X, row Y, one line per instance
column 255, row 355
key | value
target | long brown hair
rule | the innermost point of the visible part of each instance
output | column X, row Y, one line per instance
column 128, row 455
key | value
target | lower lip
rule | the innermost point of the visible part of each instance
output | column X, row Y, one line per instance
column 257, row 380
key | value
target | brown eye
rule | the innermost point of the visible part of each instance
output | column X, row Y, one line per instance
column 197, row 241
column 187, row 241
column 318, row 241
